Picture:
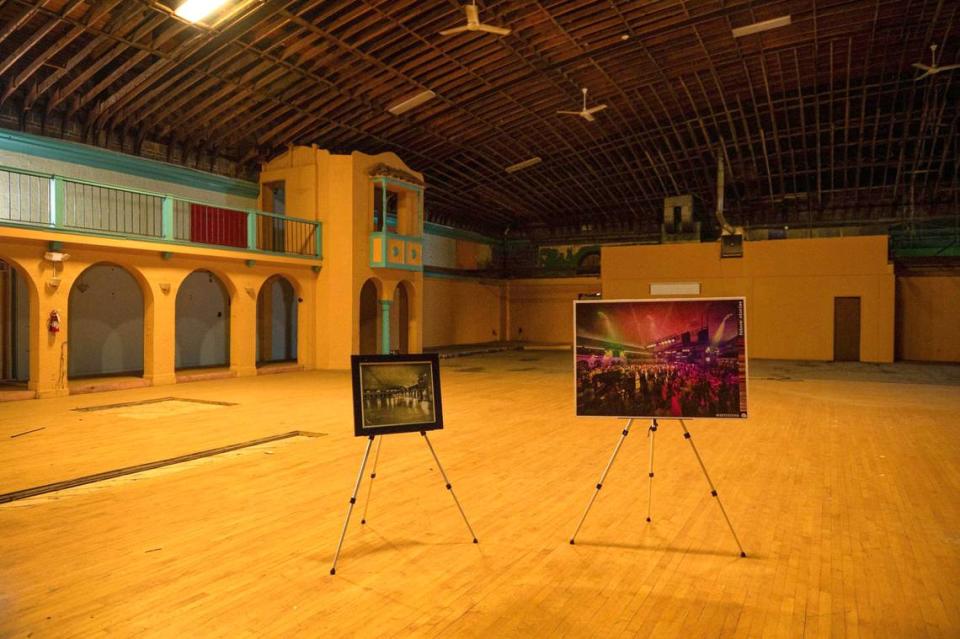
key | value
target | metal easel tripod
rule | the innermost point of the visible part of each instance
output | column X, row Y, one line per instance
column 651, row 432
column 373, row 475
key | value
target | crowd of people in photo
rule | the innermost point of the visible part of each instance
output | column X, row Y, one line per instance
column 617, row 386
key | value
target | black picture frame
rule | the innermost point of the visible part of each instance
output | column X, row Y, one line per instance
column 408, row 414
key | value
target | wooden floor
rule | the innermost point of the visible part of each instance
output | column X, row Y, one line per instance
column 844, row 486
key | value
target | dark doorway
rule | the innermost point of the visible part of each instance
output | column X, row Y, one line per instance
column 846, row 329
column 401, row 302
column 369, row 313
column 276, row 322
column 105, row 319
column 202, row 322
column 14, row 325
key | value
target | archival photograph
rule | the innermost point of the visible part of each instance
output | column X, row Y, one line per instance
column 661, row 358
column 400, row 396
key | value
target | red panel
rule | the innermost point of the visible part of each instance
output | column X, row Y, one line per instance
column 212, row 225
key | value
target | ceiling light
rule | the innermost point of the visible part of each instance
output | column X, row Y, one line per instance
column 758, row 27
column 410, row 103
column 197, row 10
column 519, row 166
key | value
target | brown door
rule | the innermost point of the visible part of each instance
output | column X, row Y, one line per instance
column 846, row 329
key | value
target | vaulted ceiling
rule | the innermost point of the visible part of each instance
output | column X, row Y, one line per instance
column 819, row 122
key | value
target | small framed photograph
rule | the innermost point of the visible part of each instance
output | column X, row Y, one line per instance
column 396, row 394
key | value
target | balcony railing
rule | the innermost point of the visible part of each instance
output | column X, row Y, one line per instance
column 392, row 250
column 78, row 206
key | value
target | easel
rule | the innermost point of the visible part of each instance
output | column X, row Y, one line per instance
column 651, row 433
column 373, row 475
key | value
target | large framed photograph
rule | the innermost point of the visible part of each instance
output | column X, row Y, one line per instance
column 679, row 358
column 396, row 394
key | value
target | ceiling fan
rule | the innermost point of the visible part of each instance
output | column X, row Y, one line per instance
column 933, row 69
column 586, row 114
column 474, row 24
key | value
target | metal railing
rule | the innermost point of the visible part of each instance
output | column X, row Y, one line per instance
column 55, row 202
column 933, row 237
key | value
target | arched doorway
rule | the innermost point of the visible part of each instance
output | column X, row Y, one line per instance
column 400, row 318
column 589, row 263
column 276, row 321
column 14, row 327
column 203, row 322
column 369, row 318
column 105, row 323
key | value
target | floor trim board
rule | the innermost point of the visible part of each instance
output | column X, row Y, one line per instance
column 139, row 468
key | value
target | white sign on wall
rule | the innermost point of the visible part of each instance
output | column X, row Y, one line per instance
column 674, row 288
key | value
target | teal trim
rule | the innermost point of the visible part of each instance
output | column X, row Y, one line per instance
column 382, row 260
column 404, row 267
column 75, row 153
column 400, row 183
column 146, row 238
column 405, row 238
column 166, row 215
column 58, row 208
column 251, row 231
column 431, row 228
column 318, row 238
column 385, row 326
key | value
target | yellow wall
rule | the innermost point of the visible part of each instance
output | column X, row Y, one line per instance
column 790, row 286
column 465, row 311
column 543, row 308
column 24, row 250
column 928, row 308
column 337, row 190
column 457, row 311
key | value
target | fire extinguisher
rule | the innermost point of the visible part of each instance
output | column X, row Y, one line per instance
column 53, row 322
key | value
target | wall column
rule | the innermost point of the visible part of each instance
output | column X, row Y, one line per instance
column 159, row 331
column 48, row 351
column 243, row 330
column 385, row 326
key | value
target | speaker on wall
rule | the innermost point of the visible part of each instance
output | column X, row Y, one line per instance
column 731, row 246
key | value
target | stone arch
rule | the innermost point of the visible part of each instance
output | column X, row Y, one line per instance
column 106, row 316
column 403, row 317
column 18, row 316
column 202, row 321
column 277, row 320
column 370, row 317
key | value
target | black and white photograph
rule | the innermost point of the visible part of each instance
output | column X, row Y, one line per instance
column 396, row 394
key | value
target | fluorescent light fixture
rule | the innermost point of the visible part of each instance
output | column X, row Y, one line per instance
column 758, row 27
column 197, row 10
column 519, row 166
column 411, row 103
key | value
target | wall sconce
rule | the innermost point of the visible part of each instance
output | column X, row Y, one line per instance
column 252, row 292
column 55, row 257
column 165, row 287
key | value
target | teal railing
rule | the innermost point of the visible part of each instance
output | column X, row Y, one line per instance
column 936, row 237
column 66, row 204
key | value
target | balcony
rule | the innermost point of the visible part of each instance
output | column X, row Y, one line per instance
column 51, row 202
column 392, row 250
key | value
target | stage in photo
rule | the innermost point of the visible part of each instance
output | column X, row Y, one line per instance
column 661, row 358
